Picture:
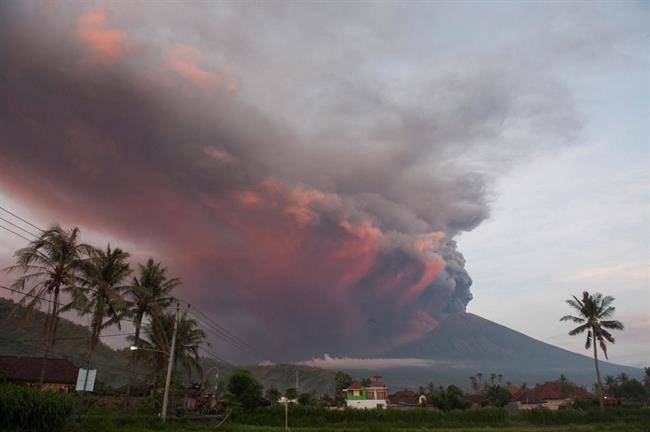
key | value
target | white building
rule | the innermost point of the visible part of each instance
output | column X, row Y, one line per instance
column 373, row 396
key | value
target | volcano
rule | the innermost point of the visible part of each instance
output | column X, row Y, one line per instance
column 464, row 344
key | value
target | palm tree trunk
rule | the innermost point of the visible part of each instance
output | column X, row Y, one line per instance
column 50, row 332
column 134, row 360
column 47, row 331
column 599, row 384
column 95, row 330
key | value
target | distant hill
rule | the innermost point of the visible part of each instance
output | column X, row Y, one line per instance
column 71, row 344
column 112, row 365
column 282, row 376
column 464, row 344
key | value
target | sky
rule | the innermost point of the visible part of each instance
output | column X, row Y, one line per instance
column 340, row 177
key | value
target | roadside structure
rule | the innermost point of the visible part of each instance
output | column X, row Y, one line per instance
column 552, row 395
column 372, row 396
column 406, row 399
column 60, row 374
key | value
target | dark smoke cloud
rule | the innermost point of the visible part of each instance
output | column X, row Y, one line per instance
column 301, row 196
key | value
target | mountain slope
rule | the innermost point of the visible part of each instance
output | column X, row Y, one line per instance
column 71, row 344
column 467, row 343
column 112, row 365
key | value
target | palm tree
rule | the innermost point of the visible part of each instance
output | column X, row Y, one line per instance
column 149, row 295
column 592, row 311
column 49, row 265
column 189, row 339
column 101, row 295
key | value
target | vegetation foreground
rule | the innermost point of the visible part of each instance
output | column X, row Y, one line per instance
column 319, row 419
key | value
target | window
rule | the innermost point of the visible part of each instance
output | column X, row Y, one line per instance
column 370, row 394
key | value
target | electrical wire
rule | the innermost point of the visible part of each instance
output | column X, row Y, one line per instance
column 21, row 219
column 14, row 232
column 211, row 325
column 18, row 226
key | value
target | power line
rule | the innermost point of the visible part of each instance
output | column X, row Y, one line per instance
column 19, row 218
column 48, row 300
column 18, row 226
column 211, row 325
column 14, row 232
column 39, row 351
column 222, row 329
column 200, row 347
column 79, row 337
column 221, row 332
column 216, row 357
column 220, row 335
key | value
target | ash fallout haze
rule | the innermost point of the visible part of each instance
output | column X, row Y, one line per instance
column 313, row 172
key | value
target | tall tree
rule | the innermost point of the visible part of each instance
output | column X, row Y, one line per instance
column 50, row 265
column 593, row 311
column 189, row 338
column 101, row 294
column 342, row 381
column 245, row 388
column 149, row 294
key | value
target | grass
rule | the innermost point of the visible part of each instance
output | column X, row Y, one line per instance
column 307, row 420
column 378, row 428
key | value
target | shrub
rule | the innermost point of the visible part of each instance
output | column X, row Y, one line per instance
column 24, row 408
column 303, row 416
column 245, row 388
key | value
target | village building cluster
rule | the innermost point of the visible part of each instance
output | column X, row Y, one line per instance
column 61, row 375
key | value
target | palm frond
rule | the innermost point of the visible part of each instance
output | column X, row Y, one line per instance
column 613, row 324
column 576, row 304
column 579, row 329
column 575, row 319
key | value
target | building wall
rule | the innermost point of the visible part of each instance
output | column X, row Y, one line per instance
column 552, row 405
column 555, row 404
column 357, row 394
column 366, row 404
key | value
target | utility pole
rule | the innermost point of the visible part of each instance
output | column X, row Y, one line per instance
column 170, row 365
column 286, row 415
column 297, row 391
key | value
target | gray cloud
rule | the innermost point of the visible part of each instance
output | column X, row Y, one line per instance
column 298, row 156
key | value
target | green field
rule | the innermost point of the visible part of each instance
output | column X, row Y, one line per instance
column 380, row 428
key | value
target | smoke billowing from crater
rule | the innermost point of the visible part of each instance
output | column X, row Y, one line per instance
column 309, row 199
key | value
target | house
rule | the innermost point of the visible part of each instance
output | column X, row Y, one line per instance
column 197, row 398
column 372, row 396
column 552, row 395
column 60, row 374
column 406, row 398
column 475, row 400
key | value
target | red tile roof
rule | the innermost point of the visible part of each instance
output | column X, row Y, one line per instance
column 355, row 385
column 514, row 390
column 404, row 397
column 549, row 391
column 28, row 369
column 376, row 382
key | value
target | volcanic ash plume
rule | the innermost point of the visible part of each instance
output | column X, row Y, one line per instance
column 312, row 206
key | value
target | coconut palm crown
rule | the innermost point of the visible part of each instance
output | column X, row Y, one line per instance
column 149, row 294
column 189, row 338
column 593, row 313
column 50, row 265
column 101, row 295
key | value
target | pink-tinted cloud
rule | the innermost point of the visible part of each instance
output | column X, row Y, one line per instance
column 188, row 62
column 104, row 42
